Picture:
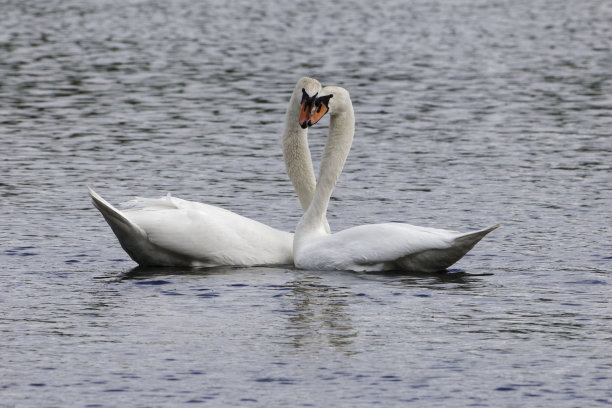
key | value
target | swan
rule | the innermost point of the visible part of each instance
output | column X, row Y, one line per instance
column 170, row 231
column 374, row 247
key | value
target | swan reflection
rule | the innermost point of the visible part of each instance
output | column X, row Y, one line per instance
column 317, row 315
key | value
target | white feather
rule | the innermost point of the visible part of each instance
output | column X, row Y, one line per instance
column 169, row 231
column 373, row 247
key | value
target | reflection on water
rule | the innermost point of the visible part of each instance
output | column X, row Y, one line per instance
column 146, row 272
column 437, row 281
column 318, row 315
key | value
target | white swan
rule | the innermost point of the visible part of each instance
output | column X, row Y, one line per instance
column 174, row 232
column 374, row 247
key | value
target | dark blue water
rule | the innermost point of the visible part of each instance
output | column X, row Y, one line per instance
column 468, row 114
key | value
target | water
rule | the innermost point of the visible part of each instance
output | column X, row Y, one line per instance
column 468, row 114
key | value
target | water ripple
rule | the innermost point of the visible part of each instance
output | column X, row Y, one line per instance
column 468, row 113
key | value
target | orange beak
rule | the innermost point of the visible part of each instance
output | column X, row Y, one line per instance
column 320, row 111
column 305, row 111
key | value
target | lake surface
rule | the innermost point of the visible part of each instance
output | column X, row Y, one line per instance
column 468, row 113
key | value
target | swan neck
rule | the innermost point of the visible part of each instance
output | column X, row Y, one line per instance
column 296, row 153
column 341, row 132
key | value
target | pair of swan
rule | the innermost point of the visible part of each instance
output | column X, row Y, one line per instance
column 174, row 232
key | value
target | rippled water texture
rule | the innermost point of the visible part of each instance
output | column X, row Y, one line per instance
column 469, row 113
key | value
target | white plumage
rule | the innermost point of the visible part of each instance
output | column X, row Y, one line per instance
column 174, row 232
column 372, row 247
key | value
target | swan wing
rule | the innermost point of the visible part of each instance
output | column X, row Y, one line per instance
column 210, row 235
column 372, row 247
column 386, row 242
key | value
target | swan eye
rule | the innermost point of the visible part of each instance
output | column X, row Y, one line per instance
column 323, row 100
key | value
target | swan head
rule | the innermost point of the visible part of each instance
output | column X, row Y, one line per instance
column 333, row 99
column 309, row 90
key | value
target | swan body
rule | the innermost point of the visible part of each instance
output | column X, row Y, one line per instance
column 375, row 247
column 389, row 246
column 174, row 232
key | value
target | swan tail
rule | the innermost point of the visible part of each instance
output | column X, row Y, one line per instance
column 440, row 259
column 131, row 237
column 469, row 239
column 112, row 215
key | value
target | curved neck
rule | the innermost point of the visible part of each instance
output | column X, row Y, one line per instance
column 341, row 132
column 296, row 152
column 298, row 161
